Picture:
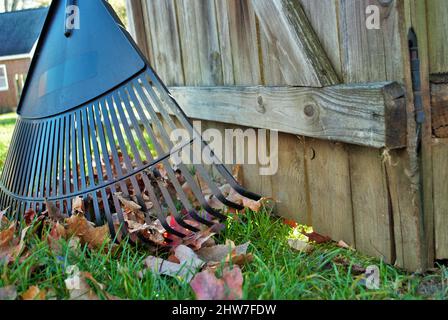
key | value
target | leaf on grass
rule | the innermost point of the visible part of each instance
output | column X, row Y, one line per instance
column 300, row 245
column 29, row 216
column 8, row 293
column 78, row 287
column 11, row 247
column 34, row 293
column 187, row 267
column 290, row 222
column 94, row 237
column 207, row 286
column 355, row 268
column 342, row 244
column 53, row 212
column 316, row 237
column 228, row 252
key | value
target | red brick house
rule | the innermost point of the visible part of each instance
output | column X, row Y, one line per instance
column 19, row 31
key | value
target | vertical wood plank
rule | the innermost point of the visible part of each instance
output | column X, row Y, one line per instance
column 440, row 160
column 437, row 14
column 329, row 184
column 243, row 37
column 165, row 41
column 200, row 42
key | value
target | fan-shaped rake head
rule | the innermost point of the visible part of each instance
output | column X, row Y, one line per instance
column 98, row 134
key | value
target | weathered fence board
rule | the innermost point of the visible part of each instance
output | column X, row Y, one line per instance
column 358, row 114
column 236, row 42
column 440, row 160
column 286, row 26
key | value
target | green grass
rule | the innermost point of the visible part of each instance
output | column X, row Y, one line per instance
column 7, row 122
column 277, row 272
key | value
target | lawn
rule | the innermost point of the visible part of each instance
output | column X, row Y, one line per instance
column 7, row 122
column 277, row 271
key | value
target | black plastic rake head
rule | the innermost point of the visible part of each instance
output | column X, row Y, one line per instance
column 95, row 120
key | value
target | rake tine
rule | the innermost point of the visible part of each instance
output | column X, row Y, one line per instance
column 165, row 192
column 28, row 163
column 198, row 194
column 97, row 158
column 202, row 171
column 88, row 154
column 181, row 116
column 81, row 153
column 101, row 135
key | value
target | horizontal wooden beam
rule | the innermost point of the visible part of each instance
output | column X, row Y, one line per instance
column 371, row 114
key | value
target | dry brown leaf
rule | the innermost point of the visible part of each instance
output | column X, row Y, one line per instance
column 187, row 267
column 215, row 255
column 8, row 293
column 11, row 247
column 342, row 244
column 53, row 212
column 128, row 204
column 237, row 172
column 300, row 245
column 316, row 237
column 94, row 237
column 34, row 293
column 207, row 286
column 355, row 268
column 29, row 216
column 78, row 287
column 78, row 205
column 3, row 219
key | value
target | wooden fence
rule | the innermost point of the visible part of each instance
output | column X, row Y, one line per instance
column 341, row 96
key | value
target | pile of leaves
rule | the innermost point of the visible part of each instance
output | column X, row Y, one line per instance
column 213, row 270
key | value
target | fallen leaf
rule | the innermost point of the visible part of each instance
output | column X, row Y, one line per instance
column 78, row 287
column 355, row 268
column 3, row 219
column 53, row 212
column 207, row 286
column 78, row 205
column 128, row 204
column 8, row 293
column 228, row 252
column 29, row 216
column 187, row 267
column 342, row 244
column 316, row 237
column 300, row 245
column 290, row 222
column 94, row 237
column 34, row 293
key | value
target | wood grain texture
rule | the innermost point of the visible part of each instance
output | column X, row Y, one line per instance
column 164, row 34
column 244, row 43
column 439, row 109
column 354, row 114
column 329, row 183
column 369, row 55
column 300, row 54
column 136, row 21
column 200, row 42
column 440, row 166
column 323, row 17
column 373, row 232
column 437, row 13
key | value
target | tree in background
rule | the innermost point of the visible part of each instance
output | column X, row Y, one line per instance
column 120, row 8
